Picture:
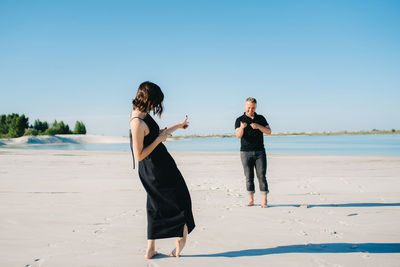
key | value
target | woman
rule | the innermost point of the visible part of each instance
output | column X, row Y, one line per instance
column 169, row 208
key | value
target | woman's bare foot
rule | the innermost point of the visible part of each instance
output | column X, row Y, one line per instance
column 180, row 244
column 265, row 205
column 150, row 254
column 172, row 254
column 151, row 249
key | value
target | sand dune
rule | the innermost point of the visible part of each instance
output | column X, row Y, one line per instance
column 63, row 139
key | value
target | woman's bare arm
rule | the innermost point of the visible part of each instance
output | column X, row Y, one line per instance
column 138, row 129
column 183, row 125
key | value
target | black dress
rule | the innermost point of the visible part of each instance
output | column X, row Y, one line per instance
column 169, row 205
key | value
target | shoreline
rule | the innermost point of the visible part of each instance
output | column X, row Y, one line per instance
column 100, row 139
column 6, row 150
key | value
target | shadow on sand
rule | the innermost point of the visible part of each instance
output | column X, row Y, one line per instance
column 346, row 205
column 310, row 248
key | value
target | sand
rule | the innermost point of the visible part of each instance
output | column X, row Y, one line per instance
column 87, row 208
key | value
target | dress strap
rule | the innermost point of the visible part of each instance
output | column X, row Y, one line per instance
column 130, row 139
column 131, row 145
column 136, row 117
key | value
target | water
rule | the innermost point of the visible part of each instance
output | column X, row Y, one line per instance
column 381, row 145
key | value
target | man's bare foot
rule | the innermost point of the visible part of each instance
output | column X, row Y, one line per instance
column 265, row 201
column 150, row 254
column 251, row 203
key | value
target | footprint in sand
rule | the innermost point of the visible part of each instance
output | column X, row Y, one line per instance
column 123, row 214
column 366, row 256
column 194, row 244
column 101, row 223
column 331, row 232
column 302, row 233
column 99, row 231
column 298, row 221
column 36, row 263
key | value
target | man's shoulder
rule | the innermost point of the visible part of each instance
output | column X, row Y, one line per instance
column 240, row 117
column 261, row 119
column 259, row 116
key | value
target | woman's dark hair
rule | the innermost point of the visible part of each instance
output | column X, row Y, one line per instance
column 149, row 97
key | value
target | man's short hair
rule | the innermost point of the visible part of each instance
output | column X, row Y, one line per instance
column 252, row 100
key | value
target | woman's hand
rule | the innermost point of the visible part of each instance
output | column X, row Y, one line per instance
column 184, row 124
column 162, row 137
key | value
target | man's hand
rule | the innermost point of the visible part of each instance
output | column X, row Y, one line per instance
column 255, row 126
column 243, row 125
column 263, row 129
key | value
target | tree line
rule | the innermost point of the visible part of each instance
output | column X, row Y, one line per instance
column 15, row 125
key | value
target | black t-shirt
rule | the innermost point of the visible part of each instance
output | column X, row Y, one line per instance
column 252, row 140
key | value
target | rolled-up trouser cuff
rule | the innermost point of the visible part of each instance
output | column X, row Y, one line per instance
column 264, row 192
column 251, row 192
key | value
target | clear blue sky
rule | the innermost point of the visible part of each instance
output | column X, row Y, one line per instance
column 312, row 65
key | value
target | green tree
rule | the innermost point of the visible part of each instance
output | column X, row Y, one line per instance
column 30, row 131
column 17, row 125
column 79, row 128
column 41, row 127
column 58, row 128
column 3, row 125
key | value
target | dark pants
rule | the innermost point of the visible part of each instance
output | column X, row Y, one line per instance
column 257, row 159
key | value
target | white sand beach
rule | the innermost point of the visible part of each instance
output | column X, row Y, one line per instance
column 87, row 208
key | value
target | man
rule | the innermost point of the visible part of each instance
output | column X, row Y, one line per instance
column 250, row 128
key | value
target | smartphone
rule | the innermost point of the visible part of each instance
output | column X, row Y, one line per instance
column 187, row 125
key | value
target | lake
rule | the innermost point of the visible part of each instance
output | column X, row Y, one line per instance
column 378, row 145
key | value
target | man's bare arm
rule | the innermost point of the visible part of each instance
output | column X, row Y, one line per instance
column 239, row 130
column 264, row 129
